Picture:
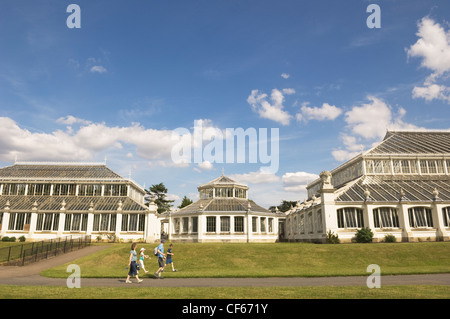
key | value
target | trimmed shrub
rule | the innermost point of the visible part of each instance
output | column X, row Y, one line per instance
column 364, row 235
column 390, row 239
column 332, row 238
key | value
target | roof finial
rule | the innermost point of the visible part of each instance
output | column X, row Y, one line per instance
column 223, row 171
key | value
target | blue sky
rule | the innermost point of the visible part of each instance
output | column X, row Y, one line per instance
column 137, row 70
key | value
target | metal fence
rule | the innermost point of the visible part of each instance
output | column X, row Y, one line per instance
column 19, row 255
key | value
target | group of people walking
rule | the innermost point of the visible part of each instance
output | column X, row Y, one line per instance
column 164, row 259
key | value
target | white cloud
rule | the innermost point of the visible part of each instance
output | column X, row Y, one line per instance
column 166, row 163
column 325, row 112
column 268, row 189
column 86, row 142
column 206, row 166
column 371, row 120
column 288, row 91
column 433, row 46
column 368, row 123
column 285, row 75
column 259, row 177
column 274, row 111
column 343, row 155
column 98, row 69
column 70, row 120
column 431, row 92
column 22, row 144
column 297, row 182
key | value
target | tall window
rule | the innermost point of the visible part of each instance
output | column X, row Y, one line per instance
column 206, row 193
column 302, row 223
column 14, row 189
column 240, row 193
column 115, row 190
column 211, row 224
column 63, row 189
column 238, row 224
column 378, row 166
column 431, row 167
column 310, row 223
column 255, row 224
column 405, row 166
column 445, row 213
column 195, row 224
column 263, row 224
column 420, row 217
column 319, row 221
column 90, row 190
column 350, row 217
column 270, row 225
column 37, row 189
column 132, row 222
column 75, row 222
column 385, row 217
column 185, row 224
column 225, row 224
column 224, row 192
column 47, row 222
column 176, row 225
column 105, row 222
column 18, row 220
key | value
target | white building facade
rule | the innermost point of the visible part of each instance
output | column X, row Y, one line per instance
column 223, row 214
column 49, row 200
column 400, row 187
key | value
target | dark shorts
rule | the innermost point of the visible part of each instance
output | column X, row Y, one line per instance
column 161, row 261
column 169, row 261
column 133, row 269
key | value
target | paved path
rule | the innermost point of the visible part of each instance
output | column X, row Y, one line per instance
column 29, row 275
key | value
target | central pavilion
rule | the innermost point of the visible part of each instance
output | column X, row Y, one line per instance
column 224, row 214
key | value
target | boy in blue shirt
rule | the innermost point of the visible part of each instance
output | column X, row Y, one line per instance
column 161, row 257
column 169, row 257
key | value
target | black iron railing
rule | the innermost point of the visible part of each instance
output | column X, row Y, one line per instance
column 19, row 255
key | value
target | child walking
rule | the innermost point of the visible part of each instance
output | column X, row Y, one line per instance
column 141, row 260
column 169, row 257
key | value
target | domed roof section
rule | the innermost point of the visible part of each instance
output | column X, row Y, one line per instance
column 222, row 181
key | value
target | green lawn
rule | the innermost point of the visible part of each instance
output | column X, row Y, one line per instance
column 133, row 292
column 269, row 260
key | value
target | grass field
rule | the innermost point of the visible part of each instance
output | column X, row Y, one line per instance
column 133, row 292
column 256, row 260
column 270, row 260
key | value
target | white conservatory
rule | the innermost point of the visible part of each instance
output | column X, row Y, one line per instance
column 224, row 214
column 400, row 187
column 41, row 200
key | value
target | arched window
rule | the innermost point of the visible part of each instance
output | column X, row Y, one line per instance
column 385, row 217
column 446, row 216
column 420, row 217
column 350, row 217
column 319, row 221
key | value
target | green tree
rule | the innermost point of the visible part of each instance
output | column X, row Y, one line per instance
column 159, row 191
column 285, row 206
column 185, row 202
